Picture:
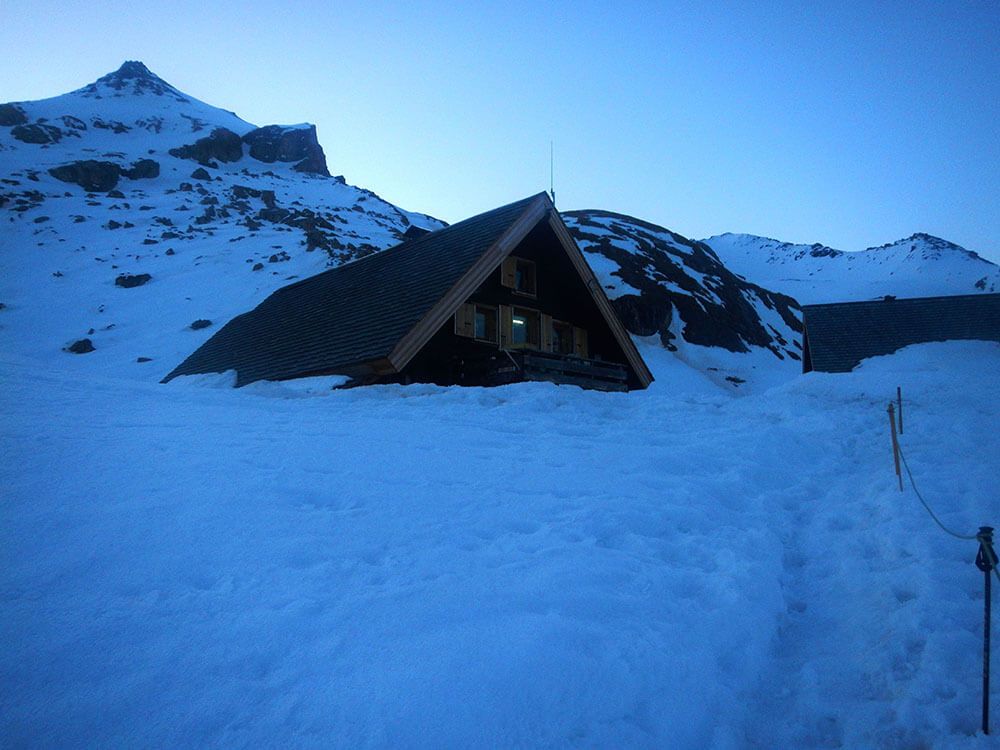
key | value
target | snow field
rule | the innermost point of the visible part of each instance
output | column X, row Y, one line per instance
column 530, row 565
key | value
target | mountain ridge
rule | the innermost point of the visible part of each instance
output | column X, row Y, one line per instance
column 921, row 265
column 127, row 195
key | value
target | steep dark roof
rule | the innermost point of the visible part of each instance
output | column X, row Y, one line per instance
column 354, row 313
column 838, row 336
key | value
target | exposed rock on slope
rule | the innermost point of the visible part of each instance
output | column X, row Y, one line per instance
column 167, row 187
column 288, row 144
column 667, row 285
column 11, row 114
column 221, row 144
column 91, row 175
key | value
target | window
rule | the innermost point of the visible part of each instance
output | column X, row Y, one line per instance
column 486, row 323
column 562, row 337
column 519, row 274
column 478, row 322
column 524, row 277
column 524, row 328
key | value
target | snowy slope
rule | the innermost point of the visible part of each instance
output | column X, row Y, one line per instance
column 286, row 566
column 666, row 286
column 918, row 266
column 215, row 236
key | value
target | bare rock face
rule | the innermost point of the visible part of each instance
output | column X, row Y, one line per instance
column 128, row 280
column 144, row 169
column 114, row 126
column 275, row 143
column 83, row 346
column 73, row 125
column 93, row 176
column 11, row 114
column 37, row 133
column 222, row 145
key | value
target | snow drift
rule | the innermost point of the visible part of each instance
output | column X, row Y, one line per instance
column 526, row 565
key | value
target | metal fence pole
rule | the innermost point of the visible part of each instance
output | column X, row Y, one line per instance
column 985, row 562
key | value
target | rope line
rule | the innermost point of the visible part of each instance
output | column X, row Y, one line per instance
column 927, row 507
column 987, row 550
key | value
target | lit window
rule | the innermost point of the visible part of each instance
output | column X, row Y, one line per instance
column 524, row 329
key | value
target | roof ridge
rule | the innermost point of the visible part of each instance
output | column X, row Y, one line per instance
column 882, row 300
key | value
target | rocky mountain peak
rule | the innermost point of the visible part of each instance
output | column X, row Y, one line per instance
column 134, row 69
column 132, row 78
column 928, row 246
column 934, row 242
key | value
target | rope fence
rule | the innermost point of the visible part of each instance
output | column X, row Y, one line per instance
column 986, row 557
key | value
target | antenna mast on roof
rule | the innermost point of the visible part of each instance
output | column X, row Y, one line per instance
column 552, row 189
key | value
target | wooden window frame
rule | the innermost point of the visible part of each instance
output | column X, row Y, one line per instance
column 537, row 346
column 508, row 275
column 464, row 322
column 496, row 322
column 534, row 278
column 572, row 337
column 581, row 343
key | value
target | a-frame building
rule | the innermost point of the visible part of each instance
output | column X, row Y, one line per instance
column 501, row 297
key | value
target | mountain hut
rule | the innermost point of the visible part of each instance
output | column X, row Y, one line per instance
column 502, row 297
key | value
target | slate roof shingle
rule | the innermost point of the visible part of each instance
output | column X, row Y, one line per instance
column 838, row 336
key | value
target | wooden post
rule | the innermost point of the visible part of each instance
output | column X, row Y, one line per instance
column 985, row 562
column 986, row 654
column 899, row 402
column 895, row 444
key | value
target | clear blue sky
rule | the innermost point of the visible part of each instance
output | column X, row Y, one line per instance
column 848, row 123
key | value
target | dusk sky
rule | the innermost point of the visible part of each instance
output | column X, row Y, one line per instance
column 852, row 124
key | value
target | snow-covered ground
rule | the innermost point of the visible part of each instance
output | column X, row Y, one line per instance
column 526, row 566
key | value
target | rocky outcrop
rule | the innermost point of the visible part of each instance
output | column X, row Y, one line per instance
column 113, row 125
column 11, row 114
column 300, row 145
column 37, row 133
column 93, row 176
column 129, row 280
column 660, row 273
column 222, row 145
column 82, row 346
column 144, row 169
column 73, row 124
